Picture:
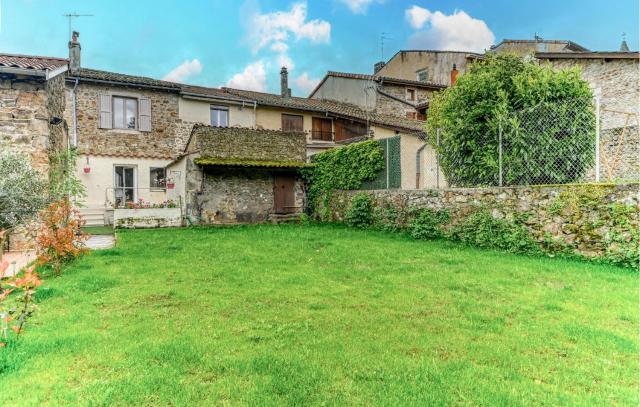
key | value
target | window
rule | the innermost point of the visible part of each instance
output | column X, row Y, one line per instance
column 124, row 185
column 321, row 129
column 422, row 75
column 411, row 94
column 157, row 178
column 411, row 115
column 219, row 116
column 125, row 113
column 292, row 122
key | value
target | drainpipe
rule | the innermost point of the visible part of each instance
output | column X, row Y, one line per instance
column 418, row 166
column 75, row 115
column 255, row 119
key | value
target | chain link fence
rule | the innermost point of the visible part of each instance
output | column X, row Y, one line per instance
column 549, row 143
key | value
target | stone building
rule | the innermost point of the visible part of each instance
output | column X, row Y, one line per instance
column 538, row 44
column 243, row 175
column 381, row 94
column 32, row 107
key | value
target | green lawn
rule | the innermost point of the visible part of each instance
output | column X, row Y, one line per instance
column 98, row 230
column 324, row 315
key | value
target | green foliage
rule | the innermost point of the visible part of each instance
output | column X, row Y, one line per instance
column 481, row 229
column 360, row 213
column 389, row 218
column 23, row 190
column 63, row 181
column 342, row 168
column 428, row 223
column 470, row 114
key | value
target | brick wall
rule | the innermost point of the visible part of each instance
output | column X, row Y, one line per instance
column 250, row 144
column 160, row 142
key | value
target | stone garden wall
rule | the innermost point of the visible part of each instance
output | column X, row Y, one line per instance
column 591, row 220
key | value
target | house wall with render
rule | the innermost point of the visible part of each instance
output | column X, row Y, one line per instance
column 199, row 111
column 406, row 64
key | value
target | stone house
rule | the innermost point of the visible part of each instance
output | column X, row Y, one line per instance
column 243, row 175
column 381, row 94
column 32, row 103
column 538, row 44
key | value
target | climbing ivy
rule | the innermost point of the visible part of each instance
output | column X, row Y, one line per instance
column 342, row 168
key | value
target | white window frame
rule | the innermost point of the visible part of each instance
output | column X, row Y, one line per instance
column 135, row 181
column 218, row 109
column 124, row 107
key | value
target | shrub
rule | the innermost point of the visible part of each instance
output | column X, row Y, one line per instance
column 428, row 224
column 14, row 314
column 63, row 181
column 23, row 191
column 60, row 238
column 481, row 229
column 360, row 213
column 342, row 168
column 486, row 97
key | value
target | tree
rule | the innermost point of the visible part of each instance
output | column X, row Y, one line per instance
column 23, row 190
column 546, row 117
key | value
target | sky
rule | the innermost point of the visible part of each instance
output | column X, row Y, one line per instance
column 243, row 43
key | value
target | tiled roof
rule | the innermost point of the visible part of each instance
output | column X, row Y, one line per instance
column 338, row 109
column 238, row 162
column 141, row 81
column 35, row 63
column 588, row 55
column 570, row 45
column 211, row 92
column 377, row 78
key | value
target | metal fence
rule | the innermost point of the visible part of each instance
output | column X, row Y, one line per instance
column 549, row 143
column 391, row 176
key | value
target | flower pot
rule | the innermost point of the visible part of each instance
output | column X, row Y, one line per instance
column 170, row 185
column 87, row 170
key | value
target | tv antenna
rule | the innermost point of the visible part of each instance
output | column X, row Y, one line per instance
column 383, row 37
column 75, row 15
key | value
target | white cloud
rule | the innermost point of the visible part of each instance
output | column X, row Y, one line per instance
column 276, row 27
column 306, row 84
column 184, row 71
column 455, row 32
column 417, row 16
column 279, row 47
column 253, row 77
column 358, row 6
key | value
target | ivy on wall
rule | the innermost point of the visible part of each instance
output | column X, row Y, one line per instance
column 342, row 168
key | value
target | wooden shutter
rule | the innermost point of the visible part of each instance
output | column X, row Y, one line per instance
column 144, row 114
column 292, row 122
column 106, row 116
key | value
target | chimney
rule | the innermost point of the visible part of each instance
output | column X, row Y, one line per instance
column 74, row 53
column 378, row 66
column 454, row 75
column 285, row 92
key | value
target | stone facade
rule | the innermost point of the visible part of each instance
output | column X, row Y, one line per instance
column 240, row 196
column 438, row 65
column 393, row 106
column 160, row 142
column 27, row 105
column 591, row 220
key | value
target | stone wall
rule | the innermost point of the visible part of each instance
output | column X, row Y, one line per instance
column 24, row 118
column 387, row 105
column 249, row 144
column 237, row 196
column 160, row 142
column 589, row 220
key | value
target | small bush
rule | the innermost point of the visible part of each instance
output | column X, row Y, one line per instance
column 481, row 229
column 428, row 224
column 360, row 214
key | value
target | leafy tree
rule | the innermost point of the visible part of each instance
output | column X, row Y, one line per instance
column 23, row 190
column 546, row 117
column 63, row 181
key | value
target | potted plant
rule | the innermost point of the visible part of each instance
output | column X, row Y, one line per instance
column 170, row 183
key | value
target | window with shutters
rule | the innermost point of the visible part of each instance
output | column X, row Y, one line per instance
column 292, row 122
column 125, row 113
column 219, row 116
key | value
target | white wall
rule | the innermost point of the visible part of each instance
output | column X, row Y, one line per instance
column 99, row 181
column 199, row 111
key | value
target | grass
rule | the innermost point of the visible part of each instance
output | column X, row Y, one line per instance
column 98, row 230
column 324, row 315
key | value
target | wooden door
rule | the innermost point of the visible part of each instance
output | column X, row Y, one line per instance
column 283, row 193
